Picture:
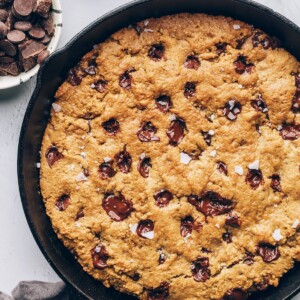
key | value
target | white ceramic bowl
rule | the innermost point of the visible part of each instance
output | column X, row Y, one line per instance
column 11, row 81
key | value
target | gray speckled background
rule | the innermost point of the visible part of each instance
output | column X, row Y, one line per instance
column 20, row 258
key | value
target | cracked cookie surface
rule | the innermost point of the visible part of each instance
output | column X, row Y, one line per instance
column 171, row 161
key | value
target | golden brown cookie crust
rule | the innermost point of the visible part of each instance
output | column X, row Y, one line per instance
column 232, row 69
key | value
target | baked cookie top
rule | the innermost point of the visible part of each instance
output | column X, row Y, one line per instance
column 170, row 165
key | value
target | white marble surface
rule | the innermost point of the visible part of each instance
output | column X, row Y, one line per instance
column 20, row 258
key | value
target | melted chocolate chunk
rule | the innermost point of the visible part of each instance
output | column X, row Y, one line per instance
column 221, row 48
column 62, row 202
column 99, row 85
column 242, row 66
column 90, row 69
column 136, row 27
column 106, row 170
column 144, row 166
column 192, row 62
column 159, row 293
column 86, row 172
column 240, row 43
column 190, row 90
column 235, row 294
column 156, row 52
column 221, row 166
column 53, row 155
column 226, row 236
column 296, row 103
column 161, row 258
column 262, row 286
column 259, row 38
column 124, row 161
column 211, row 204
column 175, row 132
column 200, row 269
column 275, row 183
column 117, row 207
column 254, row 178
column 259, row 104
column 163, row 198
column 147, row 132
column 125, row 79
column 79, row 215
column 248, row 259
column 233, row 220
column 207, row 137
column 112, row 126
column 163, row 103
column 100, row 257
column 231, row 109
column 268, row 252
column 73, row 77
column 290, row 132
column 186, row 226
column 144, row 227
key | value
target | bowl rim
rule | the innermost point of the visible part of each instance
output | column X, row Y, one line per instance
column 10, row 81
column 34, row 97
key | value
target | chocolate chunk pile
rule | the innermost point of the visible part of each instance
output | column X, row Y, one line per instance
column 26, row 27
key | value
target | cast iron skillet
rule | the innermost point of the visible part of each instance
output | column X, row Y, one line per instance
column 53, row 73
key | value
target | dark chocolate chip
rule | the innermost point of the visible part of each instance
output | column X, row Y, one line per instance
column 125, row 79
column 147, row 132
column 112, row 126
column 290, row 132
column 161, row 258
column 248, row 259
column 124, row 161
column 221, row 48
column 62, row 202
column 260, row 38
column 235, row 294
column 79, row 215
column 156, row 52
column 37, row 32
column 186, row 226
column 90, row 68
column 240, row 43
column 159, row 293
column 117, row 207
column 175, row 132
column 3, row 30
column 221, row 166
column 43, row 56
column 46, row 40
column 163, row 103
column 275, row 183
column 106, row 170
column 163, row 198
column 190, row 90
column 31, row 49
column 144, row 226
column 226, row 236
column 3, row 15
column 53, row 155
column 207, row 137
column 268, row 252
column 23, row 8
column 231, row 109
column 296, row 103
column 6, row 60
column 211, row 204
column 144, row 166
column 192, row 62
column 48, row 25
column 73, row 77
column 200, row 269
column 8, row 47
column 42, row 8
column 254, row 178
column 259, row 104
column 100, row 257
column 23, row 26
column 10, row 68
column 242, row 66
column 99, row 86
column 233, row 220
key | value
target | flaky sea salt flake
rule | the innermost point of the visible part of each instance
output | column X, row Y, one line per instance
column 239, row 170
column 277, row 235
column 185, row 158
column 56, row 107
